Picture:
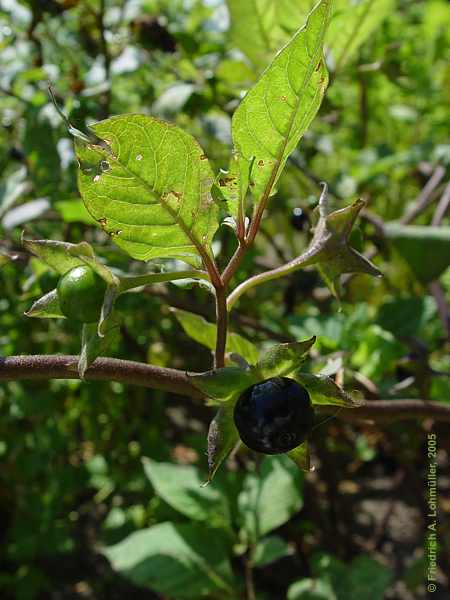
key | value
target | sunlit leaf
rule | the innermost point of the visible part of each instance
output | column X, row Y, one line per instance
column 150, row 191
column 277, row 111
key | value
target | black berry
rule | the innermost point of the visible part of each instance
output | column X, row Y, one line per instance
column 299, row 219
column 274, row 416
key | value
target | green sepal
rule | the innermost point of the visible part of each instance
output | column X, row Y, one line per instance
column 223, row 384
column 301, row 457
column 93, row 345
column 222, row 437
column 323, row 390
column 64, row 256
column 46, row 307
column 283, row 359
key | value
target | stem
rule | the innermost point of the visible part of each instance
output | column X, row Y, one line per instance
column 222, row 325
column 234, row 263
column 249, row 582
column 44, row 367
column 292, row 265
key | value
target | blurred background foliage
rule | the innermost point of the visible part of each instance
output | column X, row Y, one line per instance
column 99, row 484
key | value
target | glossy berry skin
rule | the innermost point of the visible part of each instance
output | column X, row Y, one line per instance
column 274, row 416
column 299, row 219
column 80, row 294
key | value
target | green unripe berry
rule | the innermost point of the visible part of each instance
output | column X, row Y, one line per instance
column 80, row 294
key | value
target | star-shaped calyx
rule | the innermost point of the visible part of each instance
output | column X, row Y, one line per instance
column 263, row 397
column 330, row 249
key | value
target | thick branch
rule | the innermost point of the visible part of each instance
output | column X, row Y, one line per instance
column 14, row 368
column 103, row 369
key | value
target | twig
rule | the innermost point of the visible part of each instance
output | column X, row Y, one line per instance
column 442, row 207
column 44, row 367
column 425, row 197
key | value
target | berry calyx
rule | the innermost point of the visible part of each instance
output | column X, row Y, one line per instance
column 274, row 416
column 80, row 294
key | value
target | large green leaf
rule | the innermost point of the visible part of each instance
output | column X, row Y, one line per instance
column 181, row 487
column 352, row 24
column 271, row 497
column 176, row 560
column 149, row 188
column 277, row 111
column 205, row 333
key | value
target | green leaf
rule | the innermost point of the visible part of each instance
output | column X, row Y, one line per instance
column 352, row 24
column 368, row 579
column 271, row 497
column 181, row 487
column 205, row 333
column 311, row 589
column 223, row 384
column 151, row 190
column 283, row 359
column 323, row 390
column 46, row 307
column 176, row 560
column 270, row 549
column 425, row 249
column 260, row 27
column 300, row 456
column 277, row 111
column 363, row 578
column 222, row 438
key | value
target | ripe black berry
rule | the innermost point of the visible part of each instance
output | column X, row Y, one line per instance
column 274, row 416
column 299, row 219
